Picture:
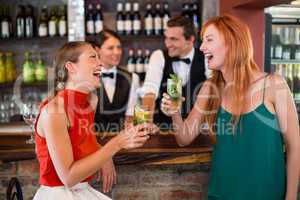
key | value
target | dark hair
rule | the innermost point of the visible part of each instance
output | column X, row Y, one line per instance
column 69, row 52
column 103, row 36
column 185, row 23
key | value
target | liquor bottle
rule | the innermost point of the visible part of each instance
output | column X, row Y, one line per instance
column 98, row 19
column 131, row 61
column 52, row 24
column 20, row 22
column 186, row 10
column 28, row 69
column 90, row 23
column 158, row 20
column 149, row 20
column 62, row 22
column 120, row 18
column 43, row 23
column 128, row 19
column 195, row 16
column 2, row 69
column 166, row 16
column 139, row 64
column 146, row 59
column 29, row 21
column 5, row 23
column 136, row 19
column 10, row 67
column 40, row 69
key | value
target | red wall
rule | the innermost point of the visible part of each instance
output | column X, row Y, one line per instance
column 252, row 13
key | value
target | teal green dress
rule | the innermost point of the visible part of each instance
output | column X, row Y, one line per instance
column 249, row 164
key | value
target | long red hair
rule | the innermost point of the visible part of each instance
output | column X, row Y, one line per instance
column 239, row 61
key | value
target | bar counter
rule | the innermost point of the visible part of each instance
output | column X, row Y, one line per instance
column 158, row 150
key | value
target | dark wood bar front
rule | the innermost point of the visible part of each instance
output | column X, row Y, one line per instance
column 159, row 149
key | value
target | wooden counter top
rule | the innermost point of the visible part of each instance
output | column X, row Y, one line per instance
column 159, row 149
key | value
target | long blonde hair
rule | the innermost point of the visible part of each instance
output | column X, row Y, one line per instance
column 239, row 60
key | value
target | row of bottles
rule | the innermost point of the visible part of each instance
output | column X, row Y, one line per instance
column 138, row 60
column 291, row 72
column 285, row 52
column 7, row 68
column 130, row 21
column 27, row 25
column 33, row 71
column 94, row 19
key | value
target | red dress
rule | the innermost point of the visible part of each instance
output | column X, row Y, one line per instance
column 81, row 132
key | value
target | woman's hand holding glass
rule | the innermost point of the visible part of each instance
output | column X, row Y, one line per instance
column 167, row 105
column 136, row 136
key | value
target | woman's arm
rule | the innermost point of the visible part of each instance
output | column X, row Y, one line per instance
column 54, row 128
column 289, row 125
column 186, row 131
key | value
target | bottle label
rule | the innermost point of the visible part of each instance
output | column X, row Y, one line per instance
column 149, row 23
column 43, row 31
column 128, row 25
column 139, row 68
column 131, row 67
column 165, row 21
column 157, row 23
column 5, row 29
column 120, row 25
column 90, row 27
column 137, row 25
column 98, row 26
column 62, row 27
column 52, row 28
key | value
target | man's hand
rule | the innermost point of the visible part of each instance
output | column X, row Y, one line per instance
column 109, row 175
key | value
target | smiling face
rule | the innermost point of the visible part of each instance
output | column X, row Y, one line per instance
column 214, row 48
column 176, row 43
column 85, row 73
column 110, row 52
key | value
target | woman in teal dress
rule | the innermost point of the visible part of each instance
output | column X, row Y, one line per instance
column 251, row 118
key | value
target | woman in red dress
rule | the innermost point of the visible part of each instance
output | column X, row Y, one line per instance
column 66, row 145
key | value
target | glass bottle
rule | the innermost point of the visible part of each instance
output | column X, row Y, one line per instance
column 158, row 20
column 5, row 23
column 90, row 23
column 29, row 21
column 11, row 73
column 20, row 22
column 2, row 69
column 52, row 24
column 128, row 19
column 98, row 19
column 137, row 25
column 43, row 23
column 146, row 60
column 62, row 22
column 40, row 69
column 131, row 61
column 149, row 20
column 166, row 16
column 28, row 69
column 120, row 18
column 139, row 64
